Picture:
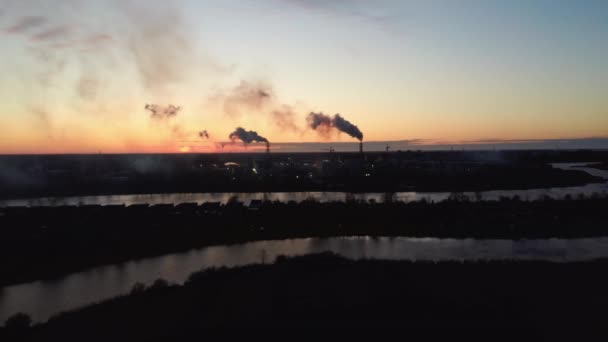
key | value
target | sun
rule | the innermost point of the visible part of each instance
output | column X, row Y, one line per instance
column 185, row 149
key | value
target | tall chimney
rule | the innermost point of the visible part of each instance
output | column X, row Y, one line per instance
column 267, row 147
column 361, row 147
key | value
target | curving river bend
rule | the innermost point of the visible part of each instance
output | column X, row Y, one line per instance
column 43, row 299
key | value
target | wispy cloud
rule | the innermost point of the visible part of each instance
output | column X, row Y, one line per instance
column 55, row 33
column 26, row 23
column 40, row 29
column 97, row 38
column 368, row 10
column 565, row 143
column 89, row 43
column 246, row 97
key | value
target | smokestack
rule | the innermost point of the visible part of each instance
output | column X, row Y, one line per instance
column 361, row 147
column 267, row 147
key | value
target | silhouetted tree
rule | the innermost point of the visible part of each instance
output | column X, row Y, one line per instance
column 233, row 200
column 138, row 288
column 458, row 197
column 389, row 197
column 19, row 321
column 159, row 284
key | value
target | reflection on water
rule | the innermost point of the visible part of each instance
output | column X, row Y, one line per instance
column 43, row 299
column 223, row 197
column 582, row 167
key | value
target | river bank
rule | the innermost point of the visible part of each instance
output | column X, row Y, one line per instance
column 71, row 239
column 505, row 300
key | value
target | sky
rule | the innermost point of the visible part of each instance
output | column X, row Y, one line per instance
column 77, row 74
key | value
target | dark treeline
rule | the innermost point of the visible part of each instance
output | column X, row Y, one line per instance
column 496, row 301
column 43, row 242
column 74, row 175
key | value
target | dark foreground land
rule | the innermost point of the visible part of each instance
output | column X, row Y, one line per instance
column 76, row 175
column 491, row 301
column 46, row 242
column 600, row 166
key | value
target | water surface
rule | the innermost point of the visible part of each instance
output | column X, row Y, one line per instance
column 223, row 197
column 42, row 299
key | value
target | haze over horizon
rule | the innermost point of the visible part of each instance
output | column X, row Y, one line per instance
column 154, row 76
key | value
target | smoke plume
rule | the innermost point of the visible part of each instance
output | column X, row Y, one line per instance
column 159, row 43
column 203, row 134
column 246, row 97
column 345, row 126
column 284, row 118
column 160, row 112
column 247, row 137
column 320, row 123
column 319, row 120
column 324, row 124
column 257, row 98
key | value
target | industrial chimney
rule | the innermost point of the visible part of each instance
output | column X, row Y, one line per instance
column 267, row 147
column 361, row 147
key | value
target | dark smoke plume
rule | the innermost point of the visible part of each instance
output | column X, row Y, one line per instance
column 316, row 120
column 160, row 112
column 247, row 137
column 324, row 124
column 203, row 134
column 321, row 123
column 345, row 126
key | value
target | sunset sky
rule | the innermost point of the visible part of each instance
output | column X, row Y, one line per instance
column 77, row 74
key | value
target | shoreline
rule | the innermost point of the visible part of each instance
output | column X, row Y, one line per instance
column 324, row 291
column 109, row 235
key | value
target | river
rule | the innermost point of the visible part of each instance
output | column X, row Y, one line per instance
column 43, row 299
column 223, row 197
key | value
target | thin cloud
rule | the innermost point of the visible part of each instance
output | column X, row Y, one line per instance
column 348, row 8
column 87, row 87
column 55, row 33
column 88, row 43
column 26, row 23
column 97, row 39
